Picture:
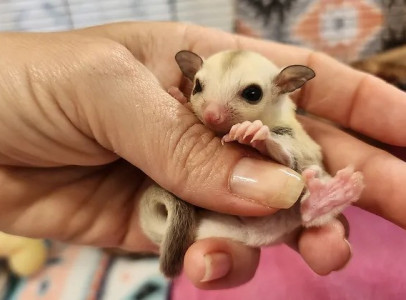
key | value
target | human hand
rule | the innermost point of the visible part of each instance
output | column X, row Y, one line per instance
column 74, row 108
column 80, row 98
column 330, row 95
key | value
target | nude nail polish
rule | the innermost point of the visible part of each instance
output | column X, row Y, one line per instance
column 266, row 183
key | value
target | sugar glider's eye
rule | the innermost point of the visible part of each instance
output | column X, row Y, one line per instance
column 198, row 87
column 252, row 93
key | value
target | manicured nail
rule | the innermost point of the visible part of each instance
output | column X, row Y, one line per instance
column 217, row 265
column 266, row 183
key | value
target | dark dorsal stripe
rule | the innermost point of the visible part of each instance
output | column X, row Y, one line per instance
column 279, row 130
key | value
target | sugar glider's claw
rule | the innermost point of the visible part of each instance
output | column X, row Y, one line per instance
column 231, row 134
column 241, row 129
column 261, row 134
column 248, row 132
column 312, row 172
column 253, row 129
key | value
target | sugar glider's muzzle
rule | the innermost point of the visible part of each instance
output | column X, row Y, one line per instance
column 216, row 117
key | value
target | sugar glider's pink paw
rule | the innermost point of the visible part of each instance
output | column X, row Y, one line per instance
column 177, row 94
column 326, row 199
column 258, row 136
column 247, row 133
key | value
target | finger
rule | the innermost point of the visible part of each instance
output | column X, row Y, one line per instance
column 325, row 249
column 384, row 174
column 86, row 205
column 355, row 100
column 220, row 263
column 146, row 41
column 310, row 243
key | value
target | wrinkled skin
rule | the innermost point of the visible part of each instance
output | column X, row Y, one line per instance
column 85, row 119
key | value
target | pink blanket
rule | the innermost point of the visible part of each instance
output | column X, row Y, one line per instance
column 376, row 271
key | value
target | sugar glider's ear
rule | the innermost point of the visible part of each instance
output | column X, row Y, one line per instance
column 293, row 77
column 189, row 63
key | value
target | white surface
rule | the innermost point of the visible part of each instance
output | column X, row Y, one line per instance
column 52, row 15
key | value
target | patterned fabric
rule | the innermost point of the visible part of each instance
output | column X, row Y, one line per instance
column 84, row 273
column 345, row 29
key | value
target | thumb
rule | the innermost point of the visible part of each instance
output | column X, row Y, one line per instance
column 139, row 121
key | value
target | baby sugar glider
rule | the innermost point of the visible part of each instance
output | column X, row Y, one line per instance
column 243, row 97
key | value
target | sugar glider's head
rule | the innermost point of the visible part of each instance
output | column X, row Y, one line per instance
column 235, row 86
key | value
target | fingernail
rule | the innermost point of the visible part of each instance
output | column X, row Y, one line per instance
column 266, row 183
column 217, row 265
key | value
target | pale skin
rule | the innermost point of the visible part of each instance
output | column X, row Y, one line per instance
column 90, row 97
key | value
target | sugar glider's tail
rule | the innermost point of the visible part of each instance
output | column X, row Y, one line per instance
column 170, row 223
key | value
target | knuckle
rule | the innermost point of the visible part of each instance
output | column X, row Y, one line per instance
column 106, row 55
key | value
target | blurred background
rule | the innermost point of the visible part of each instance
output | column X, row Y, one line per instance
column 354, row 32
column 346, row 29
column 368, row 34
column 51, row 15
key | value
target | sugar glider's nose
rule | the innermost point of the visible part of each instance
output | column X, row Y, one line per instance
column 214, row 114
